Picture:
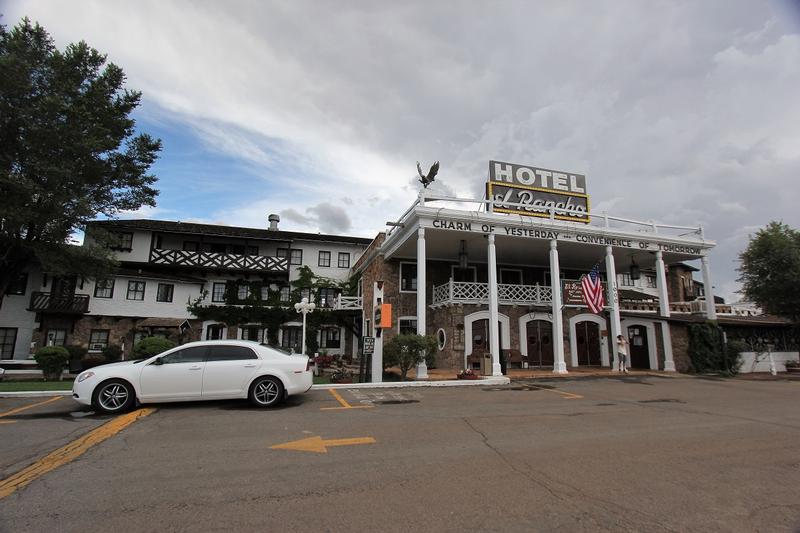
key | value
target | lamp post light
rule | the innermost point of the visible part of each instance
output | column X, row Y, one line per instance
column 304, row 307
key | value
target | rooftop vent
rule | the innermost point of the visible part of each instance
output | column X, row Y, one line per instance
column 273, row 221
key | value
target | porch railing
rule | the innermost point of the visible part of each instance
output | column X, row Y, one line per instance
column 47, row 302
column 467, row 292
column 347, row 302
column 188, row 258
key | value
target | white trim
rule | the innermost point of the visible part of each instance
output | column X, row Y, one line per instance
column 405, row 318
column 505, row 324
column 649, row 325
column 573, row 345
column 208, row 323
column 523, row 324
column 443, row 345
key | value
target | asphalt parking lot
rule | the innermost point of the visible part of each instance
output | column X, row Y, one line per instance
column 629, row 453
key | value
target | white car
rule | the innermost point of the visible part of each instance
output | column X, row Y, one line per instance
column 205, row 370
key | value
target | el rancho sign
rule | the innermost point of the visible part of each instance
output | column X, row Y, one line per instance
column 533, row 191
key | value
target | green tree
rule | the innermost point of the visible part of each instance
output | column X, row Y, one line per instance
column 770, row 270
column 408, row 350
column 68, row 152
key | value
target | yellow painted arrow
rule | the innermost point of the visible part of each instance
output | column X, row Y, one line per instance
column 317, row 445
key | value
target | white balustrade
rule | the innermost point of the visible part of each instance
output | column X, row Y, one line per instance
column 471, row 292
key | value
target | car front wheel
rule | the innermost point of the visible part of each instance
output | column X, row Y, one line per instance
column 114, row 396
column 266, row 392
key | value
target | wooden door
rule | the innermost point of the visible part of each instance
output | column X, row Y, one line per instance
column 587, row 339
column 638, row 347
column 540, row 343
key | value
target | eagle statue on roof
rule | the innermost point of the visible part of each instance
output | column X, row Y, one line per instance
column 427, row 180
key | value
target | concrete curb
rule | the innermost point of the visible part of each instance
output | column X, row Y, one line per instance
column 407, row 384
column 35, row 394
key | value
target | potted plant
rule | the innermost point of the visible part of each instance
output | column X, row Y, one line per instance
column 52, row 359
column 468, row 374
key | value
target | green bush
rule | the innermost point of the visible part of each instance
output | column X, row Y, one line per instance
column 150, row 346
column 709, row 353
column 52, row 359
column 112, row 353
column 733, row 354
column 408, row 350
column 75, row 351
column 92, row 360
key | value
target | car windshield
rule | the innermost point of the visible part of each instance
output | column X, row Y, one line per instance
column 280, row 349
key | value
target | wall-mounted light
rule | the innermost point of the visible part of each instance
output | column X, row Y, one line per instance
column 462, row 255
column 634, row 271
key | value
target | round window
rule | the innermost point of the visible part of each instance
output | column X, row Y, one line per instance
column 441, row 338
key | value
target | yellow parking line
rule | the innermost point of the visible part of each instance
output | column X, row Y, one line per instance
column 343, row 402
column 69, row 452
column 8, row 421
column 566, row 395
column 31, row 406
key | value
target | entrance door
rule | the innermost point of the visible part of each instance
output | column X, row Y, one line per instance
column 540, row 343
column 640, row 353
column 480, row 336
column 587, row 338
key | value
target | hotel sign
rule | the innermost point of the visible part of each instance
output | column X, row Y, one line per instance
column 533, row 191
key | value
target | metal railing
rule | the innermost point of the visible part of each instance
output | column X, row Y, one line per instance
column 46, row 302
column 217, row 260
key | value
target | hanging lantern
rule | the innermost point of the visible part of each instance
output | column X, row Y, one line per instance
column 634, row 271
column 462, row 255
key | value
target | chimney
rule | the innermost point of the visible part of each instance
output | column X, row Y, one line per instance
column 273, row 222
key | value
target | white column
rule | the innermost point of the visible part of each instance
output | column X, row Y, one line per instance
column 711, row 308
column 494, row 314
column 613, row 302
column 669, row 362
column 661, row 284
column 559, row 365
column 422, row 368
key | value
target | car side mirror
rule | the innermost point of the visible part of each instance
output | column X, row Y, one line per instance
column 157, row 362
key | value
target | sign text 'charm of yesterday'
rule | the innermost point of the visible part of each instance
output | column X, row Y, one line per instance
column 533, row 191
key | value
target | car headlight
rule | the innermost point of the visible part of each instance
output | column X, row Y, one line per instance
column 85, row 376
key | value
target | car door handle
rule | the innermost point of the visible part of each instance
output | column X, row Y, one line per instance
column 195, row 367
column 249, row 366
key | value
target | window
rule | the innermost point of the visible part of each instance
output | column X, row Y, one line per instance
column 237, row 249
column 469, row 274
column 218, row 292
column 230, row 353
column 8, row 338
column 18, row 285
column 56, row 337
column 243, row 292
column 306, row 293
column 265, row 293
column 252, row 250
column 327, row 297
column 330, row 338
column 344, row 259
column 191, row 246
column 407, row 325
column 215, row 332
column 252, row 333
column 123, row 241
column 510, row 277
column 408, row 277
column 286, row 293
column 292, row 338
column 295, row 256
column 626, row 280
column 165, row 291
column 104, row 288
column 98, row 340
column 136, row 290
column 195, row 354
column 650, row 281
column 324, row 259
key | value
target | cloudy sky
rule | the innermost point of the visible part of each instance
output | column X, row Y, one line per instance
column 677, row 111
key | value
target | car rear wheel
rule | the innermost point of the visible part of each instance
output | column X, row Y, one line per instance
column 114, row 396
column 266, row 392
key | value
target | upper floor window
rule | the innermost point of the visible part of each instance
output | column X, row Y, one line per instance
column 408, row 277
column 305, row 293
column 191, row 246
column 295, row 256
column 344, row 259
column 265, row 293
column 650, row 281
column 626, row 280
column 123, row 240
column 510, row 276
column 286, row 293
column 243, row 292
column 18, row 285
column 136, row 290
column 407, row 325
column 218, row 292
column 324, row 259
column 252, row 250
column 165, row 291
column 327, row 296
column 104, row 288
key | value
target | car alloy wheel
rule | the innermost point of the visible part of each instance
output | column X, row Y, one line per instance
column 266, row 392
column 114, row 396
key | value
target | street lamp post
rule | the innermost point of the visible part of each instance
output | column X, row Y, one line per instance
column 304, row 307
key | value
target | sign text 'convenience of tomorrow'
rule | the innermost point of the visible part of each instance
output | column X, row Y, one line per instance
column 532, row 191
column 579, row 237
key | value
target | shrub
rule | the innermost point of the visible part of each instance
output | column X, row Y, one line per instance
column 150, row 346
column 733, row 354
column 75, row 351
column 92, row 360
column 408, row 350
column 51, row 359
column 112, row 353
column 709, row 353
column 324, row 361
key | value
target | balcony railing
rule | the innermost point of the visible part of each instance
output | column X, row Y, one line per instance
column 694, row 307
column 214, row 260
column 347, row 302
column 44, row 302
column 467, row 292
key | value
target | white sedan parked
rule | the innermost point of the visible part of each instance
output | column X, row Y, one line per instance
column 205, row 370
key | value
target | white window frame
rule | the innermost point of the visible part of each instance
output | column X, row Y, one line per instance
column 400, row 277
column 402, row 318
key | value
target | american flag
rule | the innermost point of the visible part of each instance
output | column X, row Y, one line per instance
column 593, row 289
